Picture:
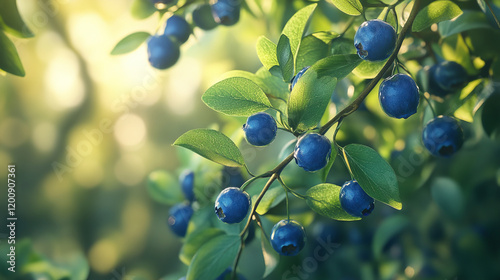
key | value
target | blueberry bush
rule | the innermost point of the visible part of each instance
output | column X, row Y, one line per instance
column 369, row 152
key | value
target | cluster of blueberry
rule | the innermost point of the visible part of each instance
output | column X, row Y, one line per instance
column 164, row 49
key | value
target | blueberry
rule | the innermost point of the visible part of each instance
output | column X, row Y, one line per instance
column 260, row 129
column 226, row 12
column 375, row 40
column 162, row 51
column 203, row 18
column 296, row 78
column 178, row 28
column 312, row 152
column 354, row 200
column 399, row 96
column 450, row 76
column 443, row 136
column 288, row 237
column 178, row 219
column 187, row 184
column 433, row 87
column 232, row 205
column 226, row 275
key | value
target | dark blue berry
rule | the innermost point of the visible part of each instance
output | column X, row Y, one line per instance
column 226, row 12
column 260, row 129
column 178, row 28
column 179, row 217
column 399, row 96
column 232, row 205
column 296, row 78
column 162, row 51
column 375, row 40
column 312, row 152
column 443, row 136
column 288, row 237
column 187, row 184
column 354, row 200
column 226, row 275
column 450, row 76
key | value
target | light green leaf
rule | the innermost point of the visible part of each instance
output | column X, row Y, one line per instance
column 9, row 59
column 194, row 241
column 448, row 196
column 130, row 43
column 324, row 200
column 310, row 96
column 212, row 145
column 296, row 26
column 469, row 20
column 273, row 197
column 311, row 49
column 214, row 257
column 350, row 7
column 236, row 96
column 271, row 257
column 435, row 12
column 373, row 173
column 266, row 51
column 271, row 85
column 164, row 188
column 369, row 69
column 11, row 21
column 285, row 57
column 142, row 9
column 388, row 229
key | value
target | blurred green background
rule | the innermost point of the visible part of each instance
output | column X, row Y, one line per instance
column 85, row 128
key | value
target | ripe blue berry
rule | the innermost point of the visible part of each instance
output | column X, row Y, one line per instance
column 179, row 217
column 399, row 96
column 450, row 76
column 162, row 51
column 226, row 275
column 433, row 87
column 443, row 136
column 288, row 237
column 187, row 184
column 178, row 28
column 232, row 205
column 203, row 18
column 226, row 12
column 375, row 40
column 260, row 129
column 354, row 200
column 296, row 78
column 312, row 152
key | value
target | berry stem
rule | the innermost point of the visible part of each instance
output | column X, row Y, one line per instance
column 355, row 104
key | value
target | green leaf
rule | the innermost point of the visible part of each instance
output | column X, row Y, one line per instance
column 266, row 51
column 11, row 21
column 469, row 20
column 142, row 9
column 350, row 7
column 212, row 145
column 448, row 196
column 435, row 12
column 296, row 26
column 285, row 57
column 164, row 188
column 373, row 173
column 270, row 85
column 311, row 49
column 130, row 43
column 324, row 200
column 214, row 257
column 369, row 69
column 271, row 257
column 273, row 197
column 490, row 116
column 236, row 96
column 326, row 169
column 388, row 229
column 310, row 96
column 195, row 240
column 9, row 59
column 342, row 45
